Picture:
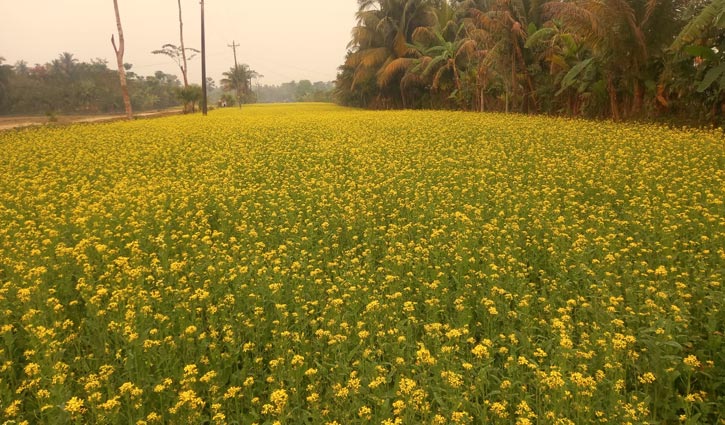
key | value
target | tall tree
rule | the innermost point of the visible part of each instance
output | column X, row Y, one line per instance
column 598, row 58
column 383, row 33
column 5, row 73
column 506, row 23
column 616, row 32
column 65, row 64
column 442, row 58
column 178, row 54
column 239, row 80
column 183, row 50
column 119, row 60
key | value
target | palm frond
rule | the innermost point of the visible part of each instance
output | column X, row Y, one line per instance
column 649, row 9
column 361, row 74
column 400, row 46
column 373, row 57
column 466, row 48
column 699, row 25
column 543, row 34
column 433, row 64
column 437, row 77
column 393, row 68
column 411, row 78
column 362, row 36
column 424, row 35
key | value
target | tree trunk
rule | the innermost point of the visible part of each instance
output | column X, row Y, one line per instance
column 613, row 98
column 402, row 94
column 183, row 50
column 513, row 82
column 638, row 98
column 119, row 59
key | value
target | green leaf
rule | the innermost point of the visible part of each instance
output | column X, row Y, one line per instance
column 711, row 15
column 701, row 51
column 571, row 46
column 712, row 75
column 558, row 60
column 539, row 36
column 570, row 76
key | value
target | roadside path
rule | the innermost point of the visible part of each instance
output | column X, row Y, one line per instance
column 8, row 123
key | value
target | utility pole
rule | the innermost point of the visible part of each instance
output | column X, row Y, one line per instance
column 236, row 70
column 203, row 63
column 234, row 46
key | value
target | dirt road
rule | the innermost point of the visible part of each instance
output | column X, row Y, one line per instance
column 10, row 122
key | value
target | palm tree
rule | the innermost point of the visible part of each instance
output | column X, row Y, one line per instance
column 65, row 65
column 442, row 57
column 384, row 31
column 504, row 23
column 566, row 60
column 239, row 80
column 618, row 33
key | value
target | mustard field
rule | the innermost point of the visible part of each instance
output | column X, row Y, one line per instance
column 312, row 264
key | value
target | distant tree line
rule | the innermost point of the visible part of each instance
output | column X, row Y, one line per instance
column 620, row 59
column 296, row 91
column 66, row 85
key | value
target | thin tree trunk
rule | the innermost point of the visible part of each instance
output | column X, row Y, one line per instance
column 613, row 98
column 183, row 50
column 638, row 97
column 532, row 91
column 513, row 82
column 402, row 94
column 119, row 59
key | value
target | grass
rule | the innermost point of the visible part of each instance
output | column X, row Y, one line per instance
column 315, row 264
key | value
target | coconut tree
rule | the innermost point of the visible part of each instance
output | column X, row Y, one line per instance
column 441, row 59
column 65, row 65
column 503, row 24
column 568, row 64
column 384, row 31
column 239, row 80
column 620, row 35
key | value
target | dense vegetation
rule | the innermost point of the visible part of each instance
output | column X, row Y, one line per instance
column 315, row 264
column 296, row 91
column 611, row 58
column 66, row 85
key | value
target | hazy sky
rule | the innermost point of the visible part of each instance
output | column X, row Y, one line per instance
column 282, row 39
